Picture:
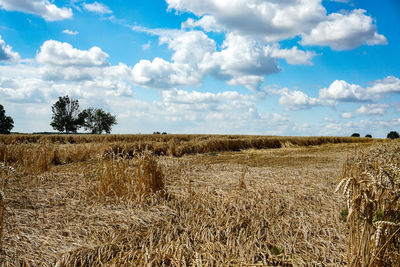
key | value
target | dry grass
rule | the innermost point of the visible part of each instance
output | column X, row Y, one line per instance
column 371, row 184
column 128, row 208
column 125, row 178
column 6, row 172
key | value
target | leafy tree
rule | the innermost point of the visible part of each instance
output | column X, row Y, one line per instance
column 97, row 120
column 6, row 122
column 66, row 115
column 393, row 135
column 355, row 135
column 368, row 136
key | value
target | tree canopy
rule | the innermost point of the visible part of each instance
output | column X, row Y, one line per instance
column 393, row 135
column 66, row 115
column 6, row 122
column 97, row 120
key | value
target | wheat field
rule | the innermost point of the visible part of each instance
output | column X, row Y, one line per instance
column 195, row 200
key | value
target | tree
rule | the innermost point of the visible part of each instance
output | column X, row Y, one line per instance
column 393, row 135
column 368, row 136
column 355, row 135
column 97, row 120
column 66, row 115
column 6, row 122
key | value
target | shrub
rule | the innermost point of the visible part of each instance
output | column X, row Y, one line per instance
column 393, row 135
column 355, row 135
column 368, row 136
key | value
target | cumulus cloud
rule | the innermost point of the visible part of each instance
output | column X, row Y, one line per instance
column 69, row 32
column 297, row 100
column 293, row 56
column 160, row 73
column 241, row 61
column 183, row 68
column 63, row 54
column 343, row 31
column 97, row 7
column 372, row 109
column 6, row 53
column 279, row 20
column 208, row 23
column 274, row 20
column 43, row 8
column 388, row 85
column 59, row 69
column 343, row 91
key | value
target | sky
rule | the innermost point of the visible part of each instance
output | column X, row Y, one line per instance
column 265, row 67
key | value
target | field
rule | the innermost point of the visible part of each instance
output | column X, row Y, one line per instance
column 193, row 200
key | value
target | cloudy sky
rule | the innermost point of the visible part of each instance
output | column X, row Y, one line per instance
column 276, row 67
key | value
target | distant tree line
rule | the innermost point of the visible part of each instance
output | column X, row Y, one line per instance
column 391, row 135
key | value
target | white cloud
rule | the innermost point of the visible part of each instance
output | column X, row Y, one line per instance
column 146, row 46
column 273, row 20
column 296, row 100
column 59, row 69
column 241, row 61
column 43, row 8
column 279, row 20
column 69, row 32
column 372, row 109
column 63, row 54
column 208, row 23
column 163, row 74
column 183, row 69
column 97, row 7
column 343, row 31
column 346, row 115
column 388, row 85
column 189, row 47
column 293, row 56
column 342, row 91
column 6, row 53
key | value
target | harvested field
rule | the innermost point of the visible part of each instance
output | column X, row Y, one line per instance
column 93, row 203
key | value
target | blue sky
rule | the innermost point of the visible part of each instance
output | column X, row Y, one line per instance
column 293, row 67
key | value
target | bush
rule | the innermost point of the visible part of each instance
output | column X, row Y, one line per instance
column 393, row 135
column 355, row 135
column 368, row 136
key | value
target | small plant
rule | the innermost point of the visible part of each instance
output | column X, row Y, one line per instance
column 368, row 136
column 355, row 135
column 343, row 214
